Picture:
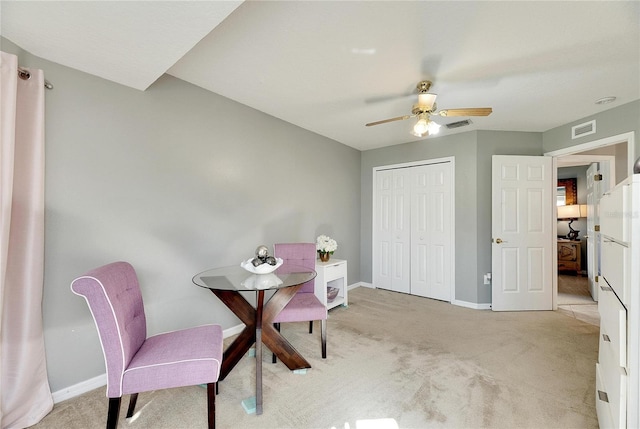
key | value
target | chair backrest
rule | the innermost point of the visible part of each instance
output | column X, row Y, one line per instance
column 113, row 295
column 303, row 254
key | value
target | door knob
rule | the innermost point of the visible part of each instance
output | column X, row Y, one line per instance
column 498, row 240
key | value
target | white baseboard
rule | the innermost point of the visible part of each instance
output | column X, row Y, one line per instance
column 233, row 330
column 363, row 284
column 101, row 380
column 80, row 388
column 459, row 303
column 472, row 305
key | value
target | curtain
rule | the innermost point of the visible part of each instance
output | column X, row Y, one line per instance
column 25, row 396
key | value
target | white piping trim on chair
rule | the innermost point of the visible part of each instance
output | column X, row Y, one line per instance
column 117, row 326
column 176, row 362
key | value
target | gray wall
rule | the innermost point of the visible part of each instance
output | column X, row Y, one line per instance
column 174, row 180
column 618, row 120
column 619, row 151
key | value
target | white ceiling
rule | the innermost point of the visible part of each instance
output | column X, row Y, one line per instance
column 330, row 67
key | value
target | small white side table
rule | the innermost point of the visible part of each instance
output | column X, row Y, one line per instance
column 332, row 273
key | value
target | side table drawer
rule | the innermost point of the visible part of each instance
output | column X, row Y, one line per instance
column 336, row 271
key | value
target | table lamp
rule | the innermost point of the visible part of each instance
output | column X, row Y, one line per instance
column 572, row 212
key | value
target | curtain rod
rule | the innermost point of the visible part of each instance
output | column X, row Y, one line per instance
column 25, row 75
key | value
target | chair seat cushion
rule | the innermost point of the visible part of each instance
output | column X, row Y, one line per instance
column 173, row 359
column 302, row 307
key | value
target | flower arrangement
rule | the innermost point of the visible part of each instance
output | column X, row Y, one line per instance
column 326, row 244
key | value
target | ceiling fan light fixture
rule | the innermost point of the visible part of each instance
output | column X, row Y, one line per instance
column 421, row 127
column 433, row 128
column 425, row 126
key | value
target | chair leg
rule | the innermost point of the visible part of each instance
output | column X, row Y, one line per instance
column 211, row 404
column 323, row 334
column 274, row 359
column 132, row 405
column 311, row 326
column 113, row 413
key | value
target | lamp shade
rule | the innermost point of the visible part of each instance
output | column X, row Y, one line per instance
column 569, row 212
column 583, row 210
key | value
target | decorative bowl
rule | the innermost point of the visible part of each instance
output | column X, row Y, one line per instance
column 261, row 281
column 262, row 268
column 332, row 292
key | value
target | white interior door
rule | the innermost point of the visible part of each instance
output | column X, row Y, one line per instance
column 604, row 171
column 522, row 233
column 431, row 235
column 391, row 251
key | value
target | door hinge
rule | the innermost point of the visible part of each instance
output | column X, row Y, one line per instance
column 596, row 227
column 597, row 177
column 596, row 279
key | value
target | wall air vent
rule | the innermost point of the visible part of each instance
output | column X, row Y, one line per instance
column 583, row 129
column 458, row 124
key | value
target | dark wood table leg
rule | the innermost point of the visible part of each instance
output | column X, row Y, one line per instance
column 247, row 314
column 259, row 329
column 272, row 338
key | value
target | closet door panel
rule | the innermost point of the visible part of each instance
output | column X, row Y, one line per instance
column 439, row 231
column 383, row 230
column 420, row 242
column 431, row 236
column 402, row 231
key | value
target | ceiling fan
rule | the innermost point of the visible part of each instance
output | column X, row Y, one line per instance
column 427, row 106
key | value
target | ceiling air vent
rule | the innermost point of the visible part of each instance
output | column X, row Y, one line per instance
column 583, row 129
column 458, row 124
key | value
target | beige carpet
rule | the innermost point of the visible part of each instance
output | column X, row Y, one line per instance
column 398, row 360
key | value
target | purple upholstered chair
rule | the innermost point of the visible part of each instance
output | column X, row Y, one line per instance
column 304, row 306
column 134, row 362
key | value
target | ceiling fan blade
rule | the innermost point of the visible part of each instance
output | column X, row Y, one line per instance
column 399, row 118
column 472, row 111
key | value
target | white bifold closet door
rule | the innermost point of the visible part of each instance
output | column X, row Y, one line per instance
column 413, row 239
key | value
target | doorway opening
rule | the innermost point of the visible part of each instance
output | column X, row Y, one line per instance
column 576, row 243
column 615, row 156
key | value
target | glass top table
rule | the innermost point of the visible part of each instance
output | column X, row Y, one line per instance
column 228, row 283
column 236, row 278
